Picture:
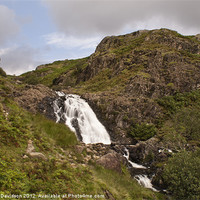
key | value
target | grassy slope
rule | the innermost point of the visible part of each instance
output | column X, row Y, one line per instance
column 47, row 73
column 63, row 172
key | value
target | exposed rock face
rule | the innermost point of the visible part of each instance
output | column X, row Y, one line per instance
column 77, row 128
column 37, row 99
column 151, row 64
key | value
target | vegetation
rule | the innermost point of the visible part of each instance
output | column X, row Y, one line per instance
column 142, row 131
column 48, row 73
column 172, row 104
column 181, row 174
column 63, row 172
column 2, row 72
column 180, row 132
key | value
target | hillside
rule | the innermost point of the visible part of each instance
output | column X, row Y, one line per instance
column 143, row 86
column 39, row 158
column 128, row 75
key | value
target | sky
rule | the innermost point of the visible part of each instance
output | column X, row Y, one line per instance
column 35, row 32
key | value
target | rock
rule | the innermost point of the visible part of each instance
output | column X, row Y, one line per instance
column 31, row 151
column 112, row 161
column 37, row 98
column 30, row 147
column 24, row 156
column 80, row 148
column 88, row 150
column 37, row 155
column 77, row 128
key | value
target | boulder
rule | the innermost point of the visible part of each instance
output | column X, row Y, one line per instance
column 112, row 161
column 30, row 151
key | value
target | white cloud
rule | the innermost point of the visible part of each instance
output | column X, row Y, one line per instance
column 8, row 24
column 18, row 59
column 68, row 42
column 105, row 17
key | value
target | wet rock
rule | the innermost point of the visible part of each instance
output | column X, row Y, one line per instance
column 77, row 128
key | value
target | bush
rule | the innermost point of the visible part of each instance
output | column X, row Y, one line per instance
column 2, row 72
column 187, row 123
column 182, row 175
column 142, row 131
column 172, row 104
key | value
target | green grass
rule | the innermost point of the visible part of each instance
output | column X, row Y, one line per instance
column 50, row 72
column 27, row 175
column 122, row 186
column 58, row 132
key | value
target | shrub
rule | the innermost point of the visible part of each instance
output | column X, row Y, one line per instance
column 187, row 123
column 182, row 175
column 172, row 104
column 142, row 131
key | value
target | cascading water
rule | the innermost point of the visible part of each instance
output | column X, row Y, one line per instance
column 134, row 165
column 145, row 181
column 81, row 119
column 141, row 178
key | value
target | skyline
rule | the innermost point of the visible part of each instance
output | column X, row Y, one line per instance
column 37, row 32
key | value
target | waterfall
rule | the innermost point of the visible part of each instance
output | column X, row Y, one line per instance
column 145, row 181
column 134, row 165
column 81, row 119
column 141, row 178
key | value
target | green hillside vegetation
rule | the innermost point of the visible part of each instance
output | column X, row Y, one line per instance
column 63, row 171
column 158, row 68
column 46, row 74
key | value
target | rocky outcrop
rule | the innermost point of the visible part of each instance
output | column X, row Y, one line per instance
column 141, row 67
column 38, row 98
column 30, row 151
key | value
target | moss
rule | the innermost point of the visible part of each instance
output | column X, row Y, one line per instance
column 171, row 85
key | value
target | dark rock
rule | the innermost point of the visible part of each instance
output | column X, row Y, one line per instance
column 75, row 124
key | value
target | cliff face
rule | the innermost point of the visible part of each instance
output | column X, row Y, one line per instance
column 129, row 73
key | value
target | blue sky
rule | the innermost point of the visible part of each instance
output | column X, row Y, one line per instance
column 35, row 32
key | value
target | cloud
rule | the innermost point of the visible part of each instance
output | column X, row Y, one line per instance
column 93, row 17
column 18, row 59
column 68, row 42
column 8, row 24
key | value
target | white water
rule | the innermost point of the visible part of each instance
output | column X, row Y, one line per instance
column 134, row 165
column 145, row 181
column 142, row 178
column 92, row 131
